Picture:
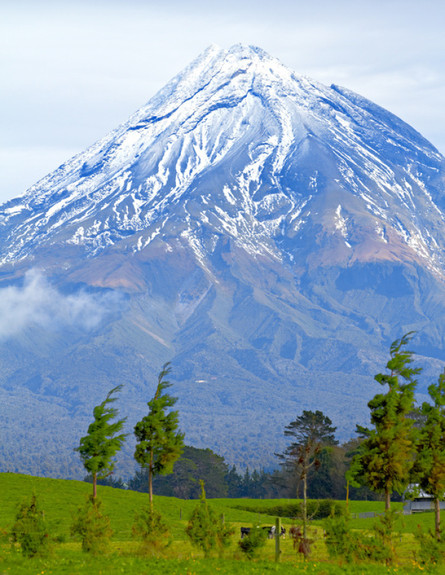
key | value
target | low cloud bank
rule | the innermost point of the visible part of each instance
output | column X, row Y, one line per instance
column 39, row 304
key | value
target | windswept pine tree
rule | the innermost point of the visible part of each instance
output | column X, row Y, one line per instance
column 98, row 448
column 159, row 442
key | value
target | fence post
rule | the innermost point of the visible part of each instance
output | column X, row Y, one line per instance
column 277, row 538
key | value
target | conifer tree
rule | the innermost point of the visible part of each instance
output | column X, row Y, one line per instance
column 386, row 454
column 30, row 529
column 430, row 463
column 98, row 448
column 93, row 527
column 205, row 529
column 160, row 443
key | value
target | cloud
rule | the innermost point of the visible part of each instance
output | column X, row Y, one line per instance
column 39, row 304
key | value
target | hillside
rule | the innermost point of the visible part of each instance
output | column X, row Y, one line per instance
column 60, row 498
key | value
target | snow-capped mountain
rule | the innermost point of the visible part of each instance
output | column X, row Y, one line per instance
column 240, row 146
column 259, row 227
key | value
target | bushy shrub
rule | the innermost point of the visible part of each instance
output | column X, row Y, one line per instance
column 344, row 543
column 385, row 547
column 431, row 551
column 93, row 527
column 151, row 529
column 252, row 543
column 316, row 509
column 30, row 530
column 205, row 529
column 355, row 546
column 323, row 508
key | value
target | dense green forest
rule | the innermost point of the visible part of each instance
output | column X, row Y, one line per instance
column 222, row 480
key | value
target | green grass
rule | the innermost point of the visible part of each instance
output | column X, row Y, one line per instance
column 61, row 498
column 118, row 565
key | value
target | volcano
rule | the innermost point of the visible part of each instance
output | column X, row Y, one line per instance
column 268, row 235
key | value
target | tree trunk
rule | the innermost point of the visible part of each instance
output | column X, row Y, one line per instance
column 387, row 499
column 94, row 486
column 437, row 517
column 150, row 480
column 304, row 477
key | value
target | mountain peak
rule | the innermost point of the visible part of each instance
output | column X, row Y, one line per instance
column 237, row 145
column 249, row 51
column 240, row 51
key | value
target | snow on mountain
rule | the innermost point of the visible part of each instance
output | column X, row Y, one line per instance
column 240, row 145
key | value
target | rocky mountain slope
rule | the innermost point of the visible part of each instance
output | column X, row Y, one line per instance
column 267, row 234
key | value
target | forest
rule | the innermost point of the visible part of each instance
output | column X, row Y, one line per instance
column 221, row 480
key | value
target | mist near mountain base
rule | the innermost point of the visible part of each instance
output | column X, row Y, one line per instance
column 38, row 303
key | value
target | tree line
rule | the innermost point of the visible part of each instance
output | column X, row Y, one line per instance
column 327, row 481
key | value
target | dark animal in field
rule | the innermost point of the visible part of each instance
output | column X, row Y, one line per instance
column 245, row 531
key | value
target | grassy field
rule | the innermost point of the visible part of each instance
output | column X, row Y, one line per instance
column 60, row 499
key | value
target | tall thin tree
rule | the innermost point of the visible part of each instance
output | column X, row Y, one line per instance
column 101, row 444
column 159, row 443
column 386, row 454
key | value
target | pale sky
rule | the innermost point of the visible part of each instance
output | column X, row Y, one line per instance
column 72, row 70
